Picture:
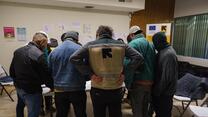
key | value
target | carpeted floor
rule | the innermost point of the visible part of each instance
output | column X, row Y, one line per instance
column 7, row 107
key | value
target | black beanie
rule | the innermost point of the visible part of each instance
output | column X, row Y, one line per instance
column 160, row 40
column 71, row 34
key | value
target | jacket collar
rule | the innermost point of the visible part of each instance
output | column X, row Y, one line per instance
column 34, row 44
column 105, row 36
column 138, row 36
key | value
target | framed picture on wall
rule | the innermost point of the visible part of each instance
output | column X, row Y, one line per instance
column 9, row 32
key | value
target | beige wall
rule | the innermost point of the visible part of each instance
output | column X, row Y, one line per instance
column 190, row 7
column 35, row 18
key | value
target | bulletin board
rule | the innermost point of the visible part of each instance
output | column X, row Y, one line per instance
column 151, row 29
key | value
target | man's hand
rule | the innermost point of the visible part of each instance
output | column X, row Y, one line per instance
column 96, row 78
column 121, row 79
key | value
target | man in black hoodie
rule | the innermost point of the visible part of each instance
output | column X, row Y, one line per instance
column 166, row 76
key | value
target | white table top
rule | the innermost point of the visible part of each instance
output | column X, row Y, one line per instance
column 87, row 87
column 199, row 111
column 181, row 98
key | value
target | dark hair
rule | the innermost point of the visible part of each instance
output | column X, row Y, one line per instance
column 104, row 31
column 53, row 42
column 120, row 39
column 62, row 36
column 129, row 39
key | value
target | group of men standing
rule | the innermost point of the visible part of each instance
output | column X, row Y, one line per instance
column 149, row 77
column 153, row 85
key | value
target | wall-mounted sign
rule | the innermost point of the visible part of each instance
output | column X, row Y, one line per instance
column 21, row 34
column 154, row 28
column 9, row 32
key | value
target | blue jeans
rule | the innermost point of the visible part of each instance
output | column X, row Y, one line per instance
column 140, row 97
column 31, row 101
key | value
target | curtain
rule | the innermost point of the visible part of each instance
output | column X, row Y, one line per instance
column 190, row 37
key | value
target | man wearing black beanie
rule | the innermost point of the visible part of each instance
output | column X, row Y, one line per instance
column 166, row 76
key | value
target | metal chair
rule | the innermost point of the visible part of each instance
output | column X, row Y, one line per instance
column 5, row 80
column 185, row 101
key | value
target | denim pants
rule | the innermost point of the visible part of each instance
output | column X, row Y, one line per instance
column 76, row 98
column 31, row 101
column 106, row 99
column 140, row 97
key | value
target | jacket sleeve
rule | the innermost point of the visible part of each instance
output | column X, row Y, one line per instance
column 169, row 75
column 12, row 70
column 135, row 58
column 132, row 61
column 44, row 71
column 80, row 60
column 50, row 62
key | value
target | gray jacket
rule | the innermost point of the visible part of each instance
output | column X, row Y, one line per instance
column 166, row 72
column 80, row 58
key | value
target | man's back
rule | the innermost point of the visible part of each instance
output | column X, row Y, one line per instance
column 148, row 52
column 167, row 72
column 25, row 68
column 65, row 75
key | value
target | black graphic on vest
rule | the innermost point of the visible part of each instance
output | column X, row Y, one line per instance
column 107, row 52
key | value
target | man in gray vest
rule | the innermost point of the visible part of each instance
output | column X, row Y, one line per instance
column 102, row 59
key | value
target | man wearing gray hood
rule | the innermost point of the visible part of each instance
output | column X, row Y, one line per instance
column 166, row 76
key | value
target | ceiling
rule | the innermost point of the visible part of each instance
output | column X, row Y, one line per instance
column 110, row 5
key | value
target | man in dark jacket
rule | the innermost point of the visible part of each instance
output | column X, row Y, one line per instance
column 102, row 59
column 29, row 70
column 164, row 85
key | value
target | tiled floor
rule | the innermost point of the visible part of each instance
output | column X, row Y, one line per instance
column 7, row 107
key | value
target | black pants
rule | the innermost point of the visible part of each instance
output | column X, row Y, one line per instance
column 48, row 102
column 106, row 99
column 163, row 105
column 76, row 98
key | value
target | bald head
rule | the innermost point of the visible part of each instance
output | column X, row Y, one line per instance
column 41, row 40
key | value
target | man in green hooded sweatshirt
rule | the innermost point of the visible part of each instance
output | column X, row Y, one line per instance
column 139, row 83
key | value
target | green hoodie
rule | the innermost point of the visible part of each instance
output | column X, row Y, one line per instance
column 147, row 50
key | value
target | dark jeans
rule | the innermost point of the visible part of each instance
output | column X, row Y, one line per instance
column 140, row 97
column 103, row 99
column 64, row 99
column 31, row 101
column 163, row 105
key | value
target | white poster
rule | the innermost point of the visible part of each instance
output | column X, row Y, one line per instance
column 21, row 34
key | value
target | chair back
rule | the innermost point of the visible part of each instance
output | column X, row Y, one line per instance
column 2, row 72
column 4, row 77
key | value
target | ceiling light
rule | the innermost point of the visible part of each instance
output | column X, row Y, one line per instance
column 89, row 7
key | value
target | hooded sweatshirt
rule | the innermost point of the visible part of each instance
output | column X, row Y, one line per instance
column 166, row 67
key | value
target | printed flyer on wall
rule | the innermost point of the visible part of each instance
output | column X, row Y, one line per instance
column 9, row 32
column 21, row 34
